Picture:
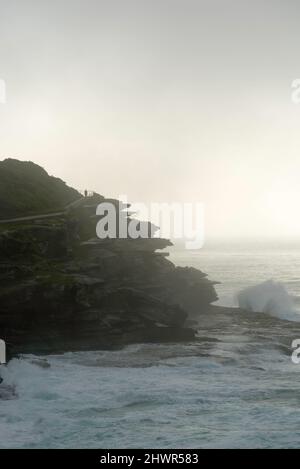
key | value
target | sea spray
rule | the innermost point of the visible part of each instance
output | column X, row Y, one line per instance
column 268, row 297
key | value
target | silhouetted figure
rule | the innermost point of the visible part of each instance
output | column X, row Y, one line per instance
column 85, row 193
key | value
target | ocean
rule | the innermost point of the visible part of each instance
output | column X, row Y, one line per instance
column 233, row 388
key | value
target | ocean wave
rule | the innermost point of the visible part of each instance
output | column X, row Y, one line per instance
column 269, row 297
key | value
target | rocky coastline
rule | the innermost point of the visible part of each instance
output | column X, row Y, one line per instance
column 63, row 289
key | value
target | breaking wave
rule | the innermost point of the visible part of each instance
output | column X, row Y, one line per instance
column 269, row 297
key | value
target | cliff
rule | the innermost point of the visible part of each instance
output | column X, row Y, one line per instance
column 26, row 188
column 63, row 289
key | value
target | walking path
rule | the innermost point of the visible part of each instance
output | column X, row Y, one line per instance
column 44, row 215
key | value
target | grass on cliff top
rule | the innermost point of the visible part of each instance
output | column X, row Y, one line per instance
column 27, row 189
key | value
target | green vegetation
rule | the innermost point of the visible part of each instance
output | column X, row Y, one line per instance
column 27, row 189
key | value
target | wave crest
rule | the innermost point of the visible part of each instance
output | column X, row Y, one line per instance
column 268, row 297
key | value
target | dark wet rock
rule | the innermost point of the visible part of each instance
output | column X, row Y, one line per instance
column 63, row 289
column 7, row 392
column 41, row 363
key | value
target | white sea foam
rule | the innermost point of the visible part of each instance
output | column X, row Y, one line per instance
column 269, row 297
column 92, row 400
column 227, row 393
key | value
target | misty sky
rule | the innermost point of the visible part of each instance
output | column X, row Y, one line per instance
column 163, row 100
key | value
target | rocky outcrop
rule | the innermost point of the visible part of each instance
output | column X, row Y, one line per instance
column 63, row 289
column 61, row 293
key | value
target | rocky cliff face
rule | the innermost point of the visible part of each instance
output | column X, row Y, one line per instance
column 63, row 289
